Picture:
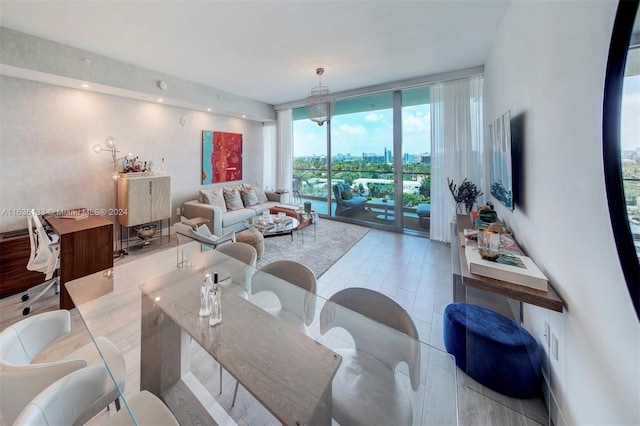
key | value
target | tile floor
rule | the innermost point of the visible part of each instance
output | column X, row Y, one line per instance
column 414, row 271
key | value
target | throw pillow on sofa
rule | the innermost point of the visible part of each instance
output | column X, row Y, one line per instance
column 232, row 198
column 262, row 197
column 249, row 197
column 214, row 197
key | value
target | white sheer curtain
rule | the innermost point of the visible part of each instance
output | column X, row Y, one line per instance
column 456, row 146
column 269, row 153
column 284, row 166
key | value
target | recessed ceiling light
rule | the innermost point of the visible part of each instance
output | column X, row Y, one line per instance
column 208, row 109
column 159, row 100
column 244, row 116
column 85, row 85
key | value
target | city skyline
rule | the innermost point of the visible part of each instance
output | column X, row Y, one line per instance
column 372, row 131
column 364, row 132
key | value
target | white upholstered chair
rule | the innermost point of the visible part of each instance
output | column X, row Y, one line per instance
column 63, row 402
column 297, row 295
column 297, row 301
column 242, row 269
column 21, row 381
column 366, row 389
column 44, row 257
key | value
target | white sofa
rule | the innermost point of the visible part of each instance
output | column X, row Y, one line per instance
column 225, row 215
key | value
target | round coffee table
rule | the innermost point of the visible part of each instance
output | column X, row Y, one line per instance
column 272, row 226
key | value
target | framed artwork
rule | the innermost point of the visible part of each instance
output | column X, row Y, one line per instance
column 221, row 157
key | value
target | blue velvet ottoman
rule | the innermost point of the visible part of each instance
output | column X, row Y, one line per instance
column 494, row 350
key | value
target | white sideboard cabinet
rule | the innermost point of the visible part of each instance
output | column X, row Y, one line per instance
column 142, row 200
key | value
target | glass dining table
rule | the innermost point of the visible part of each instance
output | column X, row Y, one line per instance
column 292, row 368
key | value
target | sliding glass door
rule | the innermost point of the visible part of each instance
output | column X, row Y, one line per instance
column 361, row 171
column 310, row 166
column 416, row 159
column 362, row 157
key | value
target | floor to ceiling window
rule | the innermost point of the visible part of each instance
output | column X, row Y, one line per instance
column 310, row 168
column 416, row 159
column 630, row 145
column 368, row 150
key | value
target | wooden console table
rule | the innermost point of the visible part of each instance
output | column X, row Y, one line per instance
column 463, row 278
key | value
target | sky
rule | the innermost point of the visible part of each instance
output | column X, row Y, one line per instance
column 630, row 122
column 369, row 132
column 372, row 131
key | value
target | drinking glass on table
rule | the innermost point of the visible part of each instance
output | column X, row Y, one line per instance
column 488, row 244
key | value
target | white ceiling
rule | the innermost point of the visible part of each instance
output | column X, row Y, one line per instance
column 269, row 50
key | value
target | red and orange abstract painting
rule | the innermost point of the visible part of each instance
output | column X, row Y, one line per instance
column 221, row 157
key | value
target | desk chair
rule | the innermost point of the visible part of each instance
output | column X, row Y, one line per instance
column 21, row 381
column 187, row 231
column 365, row 389
column 45, row 258
column 63, row 401
column 297, row 296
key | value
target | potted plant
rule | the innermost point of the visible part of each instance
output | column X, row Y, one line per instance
column 466, row 194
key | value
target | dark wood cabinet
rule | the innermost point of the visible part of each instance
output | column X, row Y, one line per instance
column 14, row 276
column 86, row 246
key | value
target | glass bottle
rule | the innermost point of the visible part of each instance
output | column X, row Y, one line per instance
column 216, row 302
column 205, row 301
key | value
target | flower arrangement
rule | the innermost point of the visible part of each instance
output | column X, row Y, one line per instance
column 467, row 193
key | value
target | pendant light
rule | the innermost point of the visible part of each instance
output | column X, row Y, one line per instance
column 320, row 104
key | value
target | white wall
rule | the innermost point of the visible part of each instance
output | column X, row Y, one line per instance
column 548, row 62
column 46, row 135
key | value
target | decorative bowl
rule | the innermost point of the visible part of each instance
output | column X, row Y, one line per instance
column 147, row 231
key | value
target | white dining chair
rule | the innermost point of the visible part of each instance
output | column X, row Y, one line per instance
column 241, row 267
column 63, row 402
column 21, row 380
column 294, row 284
column 365, row 389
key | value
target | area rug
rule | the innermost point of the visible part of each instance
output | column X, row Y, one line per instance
column 333, row 240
